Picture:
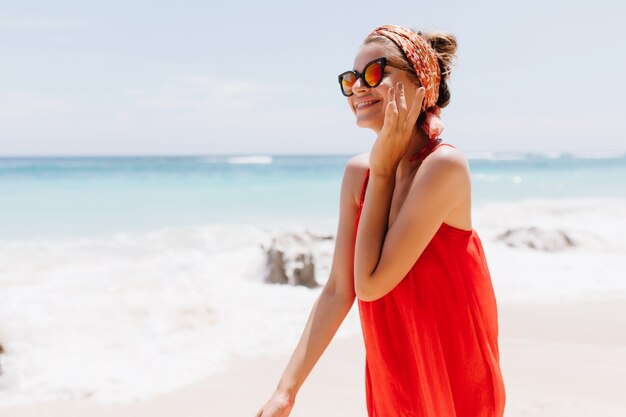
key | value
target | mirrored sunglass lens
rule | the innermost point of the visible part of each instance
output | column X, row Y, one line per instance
column 373, row 73
column 347, row 81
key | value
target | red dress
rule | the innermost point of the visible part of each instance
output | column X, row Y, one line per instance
column 432, row 342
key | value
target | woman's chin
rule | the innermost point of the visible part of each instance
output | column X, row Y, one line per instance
column 366, row 123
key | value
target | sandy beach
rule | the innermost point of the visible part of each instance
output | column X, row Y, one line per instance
column 566, row 359
column 178, row 321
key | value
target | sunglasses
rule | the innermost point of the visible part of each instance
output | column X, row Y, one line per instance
column 372, row 75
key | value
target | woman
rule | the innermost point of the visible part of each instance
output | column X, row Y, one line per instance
column 406, row 248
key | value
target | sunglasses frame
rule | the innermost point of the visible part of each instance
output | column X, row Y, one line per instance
column 383, row 64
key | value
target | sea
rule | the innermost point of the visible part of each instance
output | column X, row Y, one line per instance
column 125, row 277
column 98, row 196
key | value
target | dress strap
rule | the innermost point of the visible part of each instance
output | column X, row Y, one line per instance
column 441, row 144
column 428, row 149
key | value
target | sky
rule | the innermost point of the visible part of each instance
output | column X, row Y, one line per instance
column 250, row 77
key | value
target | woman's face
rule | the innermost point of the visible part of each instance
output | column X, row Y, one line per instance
column 373, row 116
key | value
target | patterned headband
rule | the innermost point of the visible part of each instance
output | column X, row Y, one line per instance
column 424, row 61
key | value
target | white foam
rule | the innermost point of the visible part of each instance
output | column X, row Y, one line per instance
column 499, row 156
column 127, row 317
column 599, row 154
column 133, row 315
column 553, row 154
column 520, row 156
column 593, row 269
column 253, row 159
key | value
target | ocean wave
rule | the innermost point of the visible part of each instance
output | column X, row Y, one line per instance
column 598, row 155
column 495, row 156
column 253, row 159
column 129, row 316
column 551, row 155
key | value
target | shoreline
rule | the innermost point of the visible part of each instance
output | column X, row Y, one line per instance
column 557, row 359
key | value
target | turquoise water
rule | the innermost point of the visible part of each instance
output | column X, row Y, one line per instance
column 84, row 196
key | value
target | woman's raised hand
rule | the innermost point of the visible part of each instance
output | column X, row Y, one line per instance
column 279, row 405
column 393, row 139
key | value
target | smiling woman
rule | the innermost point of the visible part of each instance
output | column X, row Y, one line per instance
column 406, row 247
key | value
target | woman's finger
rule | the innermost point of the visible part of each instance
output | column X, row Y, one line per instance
column 402, row 110
column 391, row 113
column 416, row 108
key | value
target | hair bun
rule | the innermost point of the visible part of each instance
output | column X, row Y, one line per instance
column 445, row 46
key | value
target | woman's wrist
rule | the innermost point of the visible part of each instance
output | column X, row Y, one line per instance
column 383, row 176
column 288, row 391
column 388, row 171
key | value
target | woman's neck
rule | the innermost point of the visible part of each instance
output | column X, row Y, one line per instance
column 419, row 140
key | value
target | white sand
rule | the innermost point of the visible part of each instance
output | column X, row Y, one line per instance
column 564, row 359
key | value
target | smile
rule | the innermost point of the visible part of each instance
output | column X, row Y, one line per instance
column 365, row 104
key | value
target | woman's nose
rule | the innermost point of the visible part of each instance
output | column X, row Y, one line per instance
column 359, row 85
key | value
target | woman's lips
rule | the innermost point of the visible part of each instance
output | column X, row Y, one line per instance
column 367, row 105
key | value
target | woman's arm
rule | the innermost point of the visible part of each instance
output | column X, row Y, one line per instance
column 383, row 257
column 334, row 302
column 326, row 316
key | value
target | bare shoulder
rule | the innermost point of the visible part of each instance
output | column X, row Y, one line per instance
column 447, row 170
column 447, row 158
column 360, row 161
column 354, row 174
